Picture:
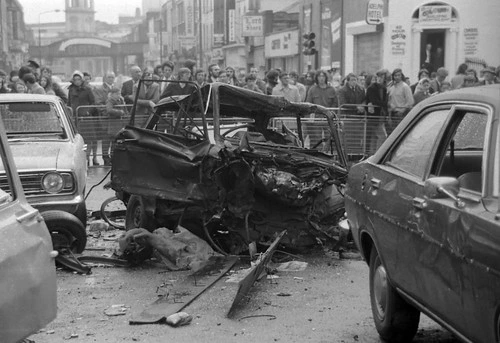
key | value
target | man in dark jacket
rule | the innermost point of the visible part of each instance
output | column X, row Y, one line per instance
column 377, row 99
column 351, row 94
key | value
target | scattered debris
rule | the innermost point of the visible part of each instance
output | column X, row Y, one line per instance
column 185, row 291
column 177, row 250
column 283, row 294
column 116, row 310
column 73, row 335
column 270, row 316
column 179, row 319
column 253, row 273
column 98, row 226
column 291, row 266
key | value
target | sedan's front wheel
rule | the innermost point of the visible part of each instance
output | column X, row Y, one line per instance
column 396, row 320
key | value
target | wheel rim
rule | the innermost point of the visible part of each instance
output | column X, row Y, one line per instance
column 380, row 291
column 62, row 240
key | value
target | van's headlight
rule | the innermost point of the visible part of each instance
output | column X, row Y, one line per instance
column 52, row 182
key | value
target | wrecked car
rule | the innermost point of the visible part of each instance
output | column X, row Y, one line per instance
column 235, row 167
column 27, row 269
column 425, row 214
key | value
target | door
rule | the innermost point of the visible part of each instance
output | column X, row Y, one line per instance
column 432, row 44
column 27, row 268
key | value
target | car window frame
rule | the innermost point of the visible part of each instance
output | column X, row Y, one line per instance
column 485, row 168
column 424, row 112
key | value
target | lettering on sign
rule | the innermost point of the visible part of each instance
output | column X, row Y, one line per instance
column 189, row 20
column 471, row 41
column 436, row 14
column 375, row 12
column 398, row 40
column 253, row 26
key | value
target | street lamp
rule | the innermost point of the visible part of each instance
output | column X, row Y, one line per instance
column 40, row 31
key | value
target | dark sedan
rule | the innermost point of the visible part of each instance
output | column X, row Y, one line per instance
column 425, row 213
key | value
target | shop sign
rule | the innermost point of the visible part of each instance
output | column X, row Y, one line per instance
column 253, row 26
column 282, row 44
column 471, row 41
column 218, row 39
column 189, row 18
column 435, row 14
column 375, row 12
column 231, row 20
column 217, row 54
column 187, row 42
column 398, row 40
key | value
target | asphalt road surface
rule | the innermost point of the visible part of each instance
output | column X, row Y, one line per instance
column 326, row 302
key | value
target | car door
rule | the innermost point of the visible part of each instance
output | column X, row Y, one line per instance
column 391, row 184
column 27, row 269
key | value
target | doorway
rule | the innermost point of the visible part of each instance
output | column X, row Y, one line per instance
column 432, row 43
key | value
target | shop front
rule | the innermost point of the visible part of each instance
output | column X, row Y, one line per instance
column 442, row 34
column 282, row 50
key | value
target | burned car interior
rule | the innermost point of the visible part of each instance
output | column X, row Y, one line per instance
column 233, row 165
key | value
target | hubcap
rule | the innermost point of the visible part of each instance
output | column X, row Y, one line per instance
column 380, row 290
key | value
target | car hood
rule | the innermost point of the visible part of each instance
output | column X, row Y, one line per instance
column 42, row 155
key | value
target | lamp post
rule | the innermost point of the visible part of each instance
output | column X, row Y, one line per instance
column 40, row 31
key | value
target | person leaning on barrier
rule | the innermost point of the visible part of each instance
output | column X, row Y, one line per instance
column 149, row 94
column 128, row 86
column 101, row 97
column 116, row 111
column 351, row 94
column 376, row 99
column 79, row 94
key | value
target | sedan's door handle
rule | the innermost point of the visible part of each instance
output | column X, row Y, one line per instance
column 419, row 203
column 27, row 216
column 375, row 183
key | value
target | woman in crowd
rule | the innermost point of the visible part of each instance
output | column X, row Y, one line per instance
column 46, row 84
column 422, row 90
column 231, row 76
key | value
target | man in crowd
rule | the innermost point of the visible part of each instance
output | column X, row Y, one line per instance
column 101, row 97
column 32, row 84
column 148, row 96
column 250, row 83
column 168, row 74
column 489, row 76
column 400, row 99
column 258, row 81
column 179, row 88
column 351, row 94
column 213, row 73
column 321, row 93
column 441, row 75
column 294, row 80
column 128, row 86
column 285, row 89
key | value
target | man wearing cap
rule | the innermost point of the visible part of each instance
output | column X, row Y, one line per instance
column 489, row 76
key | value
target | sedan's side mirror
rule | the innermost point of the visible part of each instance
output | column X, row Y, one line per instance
column 443, row 187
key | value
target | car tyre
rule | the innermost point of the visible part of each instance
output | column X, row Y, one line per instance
column 395, row 319
column 66, row 231
column 136, row 216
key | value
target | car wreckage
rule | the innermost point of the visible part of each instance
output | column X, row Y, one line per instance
column 233, row 166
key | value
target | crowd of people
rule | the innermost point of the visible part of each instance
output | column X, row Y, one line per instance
column 385, row 94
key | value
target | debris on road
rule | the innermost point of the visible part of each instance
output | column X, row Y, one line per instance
column 116, row 310
column 186, row 291
column 291, row 266
column 179, row 319
column 253, row 273
column 179, row 250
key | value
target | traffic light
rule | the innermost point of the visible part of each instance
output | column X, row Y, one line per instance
column 309, row 44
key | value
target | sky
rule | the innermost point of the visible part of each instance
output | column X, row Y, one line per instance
column 106, row 10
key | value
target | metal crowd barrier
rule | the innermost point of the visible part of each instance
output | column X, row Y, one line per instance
column 98, row 128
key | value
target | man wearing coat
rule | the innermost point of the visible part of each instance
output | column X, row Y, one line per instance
column 128, row 86
column 351, row 94
column 149, row 94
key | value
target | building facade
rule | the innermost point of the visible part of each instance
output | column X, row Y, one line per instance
column 14, row 36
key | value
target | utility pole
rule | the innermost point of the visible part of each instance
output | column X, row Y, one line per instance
column 200, row 53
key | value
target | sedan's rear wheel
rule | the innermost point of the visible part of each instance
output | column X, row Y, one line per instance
column 395, row 319
column 66, row 230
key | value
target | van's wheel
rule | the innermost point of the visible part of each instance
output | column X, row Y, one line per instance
column 66, row 231
column 136, row 216
column 498, row 330
column 395, row 319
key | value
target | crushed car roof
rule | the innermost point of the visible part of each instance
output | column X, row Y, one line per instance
column 240, row 102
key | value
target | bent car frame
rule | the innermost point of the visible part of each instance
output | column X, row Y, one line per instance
column 233, row 166
column 425, row 213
